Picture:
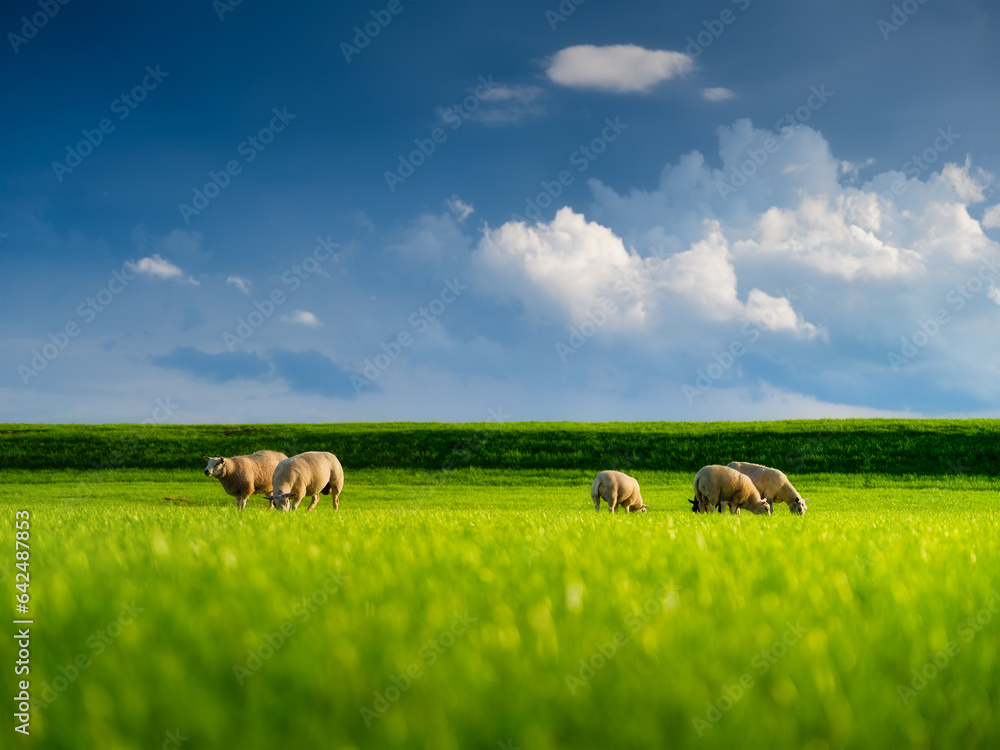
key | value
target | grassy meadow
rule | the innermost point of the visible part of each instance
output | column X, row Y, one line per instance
column 487, row 607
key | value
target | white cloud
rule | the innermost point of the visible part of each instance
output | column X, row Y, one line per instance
column 619, row 68
column 301, row 317
column 827, row 237
column 816, row 277
column 500, row 105
column 240, row 283
column 967, row 185
column 946, row 230
column 785, row 206
column 991, row 217
column 569, row 267
column 432, row 241
column 566, row 264
column 459, row 208
column 158, row 268
column 717, row 94
column 507, row 105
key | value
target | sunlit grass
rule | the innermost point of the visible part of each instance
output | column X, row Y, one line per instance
column 454, row 609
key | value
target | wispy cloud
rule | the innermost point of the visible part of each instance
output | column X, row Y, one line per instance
column 301, row 317
column 620, row 68
column 459, row 208
column 240, row 283
column 510, row 104
column 852, row 169
column 717, row 94
column 503, row 105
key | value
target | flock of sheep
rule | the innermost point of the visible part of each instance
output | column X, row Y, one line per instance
column 739, row 485
column 285, row 481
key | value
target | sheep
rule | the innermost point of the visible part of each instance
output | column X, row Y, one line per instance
column 311, row 473
column 243, row 476
column 617, row 489
column 773, row 486
column 714, row 485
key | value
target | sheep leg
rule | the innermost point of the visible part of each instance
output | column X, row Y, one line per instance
column 313, row 503
column 597, row 502
column 298, row 500
column 336, row 499
column 241, row 501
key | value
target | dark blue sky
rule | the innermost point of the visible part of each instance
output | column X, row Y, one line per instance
column 800, row 251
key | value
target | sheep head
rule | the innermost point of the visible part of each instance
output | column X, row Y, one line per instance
column 216, row 466
column 279, row 501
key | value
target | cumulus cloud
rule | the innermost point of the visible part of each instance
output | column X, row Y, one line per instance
column 619, row 68
column 772, row 244
column 717, row 94
column 780, row 199
column 568, row 267
column 300, row 317
column 991, row 217
column 240, row 283
column 967, row 184
column 157, row 267
column 826, row 236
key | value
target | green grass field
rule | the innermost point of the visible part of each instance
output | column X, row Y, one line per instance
column 493, row 608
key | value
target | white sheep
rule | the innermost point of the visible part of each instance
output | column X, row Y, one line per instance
column 243, row 476
column 714, row 485
column 617, row 489
column 311, row 473
column 773, row 486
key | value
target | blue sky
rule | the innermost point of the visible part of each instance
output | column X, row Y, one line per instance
column 423, row 210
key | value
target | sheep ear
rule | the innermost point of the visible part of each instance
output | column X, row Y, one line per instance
column 207, row 458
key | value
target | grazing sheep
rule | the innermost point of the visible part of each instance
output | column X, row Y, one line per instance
column 714, row 485
column 617, row 489
column 243, row 476
column 311, row 473
column 773, row 486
